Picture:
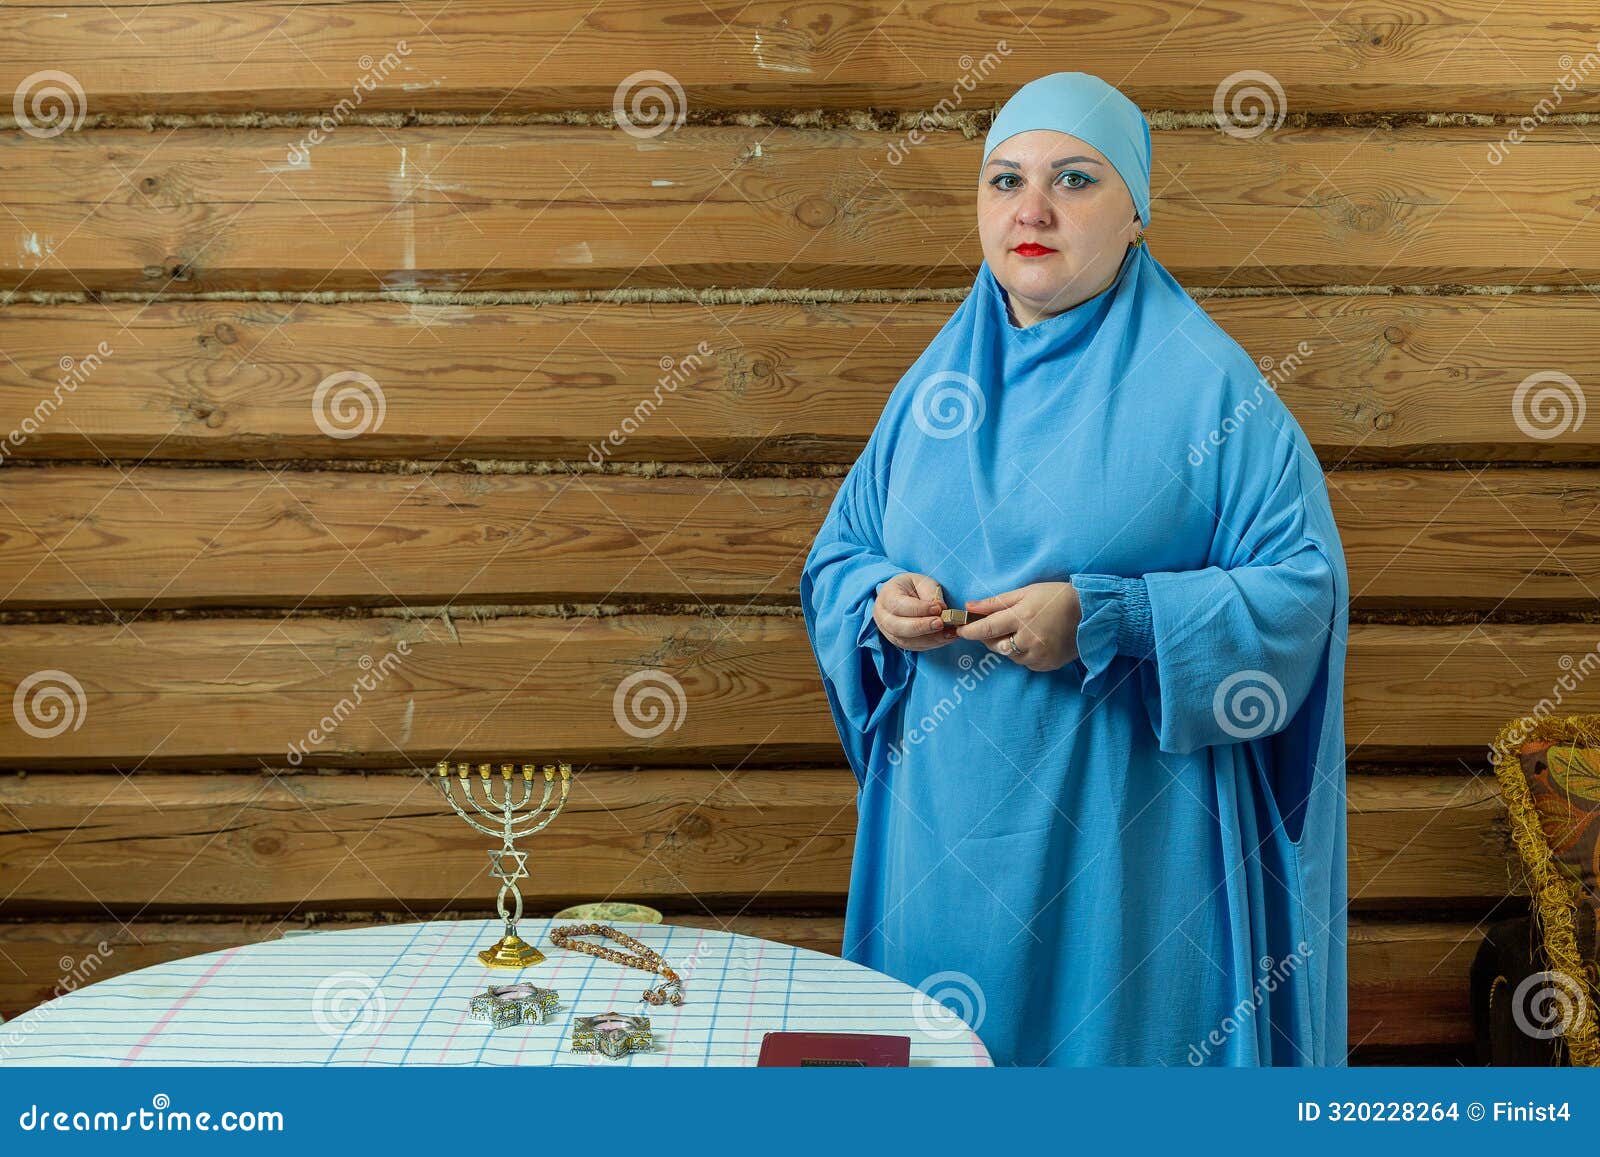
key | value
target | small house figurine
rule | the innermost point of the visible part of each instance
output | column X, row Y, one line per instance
column 612, row 1034
column 508, row 1005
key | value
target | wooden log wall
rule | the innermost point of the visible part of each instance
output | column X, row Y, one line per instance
column 316, row 342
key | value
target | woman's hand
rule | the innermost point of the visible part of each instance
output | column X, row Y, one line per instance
column 1043, row 617
column 907, row 613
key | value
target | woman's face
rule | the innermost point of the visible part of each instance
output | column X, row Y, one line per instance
column 1055, row 220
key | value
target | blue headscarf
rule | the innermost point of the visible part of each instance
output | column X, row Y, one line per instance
column 1088, row 108
column 1156, row 823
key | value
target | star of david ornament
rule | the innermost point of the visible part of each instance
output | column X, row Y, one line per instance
column 497, row 864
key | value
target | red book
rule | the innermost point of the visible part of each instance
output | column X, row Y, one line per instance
column 834, row 1050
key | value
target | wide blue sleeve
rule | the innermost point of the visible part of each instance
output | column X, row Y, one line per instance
column 1230, row 652
column 863, row 674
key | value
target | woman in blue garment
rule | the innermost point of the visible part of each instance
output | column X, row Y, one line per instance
column 1106, row 821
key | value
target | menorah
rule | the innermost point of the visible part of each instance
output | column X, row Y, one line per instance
column 513, row 820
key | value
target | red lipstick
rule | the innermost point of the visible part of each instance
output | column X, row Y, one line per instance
column 1033, row 249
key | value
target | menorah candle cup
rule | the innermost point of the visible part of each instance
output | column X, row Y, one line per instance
column 507, row 815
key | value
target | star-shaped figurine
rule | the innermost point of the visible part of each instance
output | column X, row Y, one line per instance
column 497, row 864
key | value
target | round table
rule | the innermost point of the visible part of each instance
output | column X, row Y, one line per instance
column 398, row 994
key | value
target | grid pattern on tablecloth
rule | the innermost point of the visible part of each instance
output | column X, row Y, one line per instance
column 398, row 995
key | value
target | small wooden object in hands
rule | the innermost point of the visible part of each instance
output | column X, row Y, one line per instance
column 952, row 617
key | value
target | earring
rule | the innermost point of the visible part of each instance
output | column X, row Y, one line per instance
column 1139, row 240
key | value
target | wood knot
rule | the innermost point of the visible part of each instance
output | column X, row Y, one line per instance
column 1362, row 40
column 690, row 830
column 211, row 415
column 695, row 827
column 171, row 268
column 815, row 212
column 1380, row 217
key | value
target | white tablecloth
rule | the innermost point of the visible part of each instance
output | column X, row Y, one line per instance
column 398, row 995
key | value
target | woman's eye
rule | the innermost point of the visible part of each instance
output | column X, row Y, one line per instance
column 1072, row 179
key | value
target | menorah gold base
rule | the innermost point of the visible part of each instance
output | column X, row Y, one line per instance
column 511, row 952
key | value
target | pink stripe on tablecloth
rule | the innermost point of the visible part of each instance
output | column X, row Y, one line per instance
column 711, row 1030
column 447, row 936
column 166, row 1017
column 979, row 1051
column 553, row 981
column 597, row 1057
column 750, row 1010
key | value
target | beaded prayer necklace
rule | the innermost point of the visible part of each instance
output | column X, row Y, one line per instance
column 670, row 990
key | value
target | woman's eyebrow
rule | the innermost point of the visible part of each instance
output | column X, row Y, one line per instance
column 1053, row 164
